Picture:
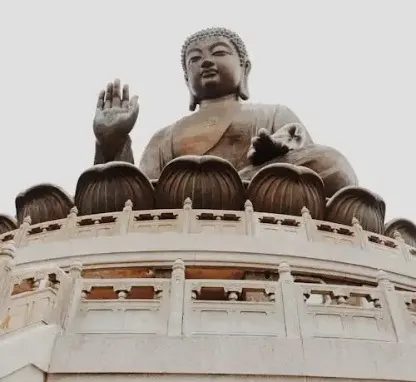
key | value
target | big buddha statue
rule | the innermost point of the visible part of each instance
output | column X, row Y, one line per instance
column 216, row 69
column 225, row 152
column 227, row 155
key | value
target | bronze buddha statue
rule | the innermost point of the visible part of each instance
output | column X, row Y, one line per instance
column 207, row 155
column 216, row 68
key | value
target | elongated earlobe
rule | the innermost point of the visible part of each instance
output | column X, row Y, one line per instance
column 243, row 91
column 192, row 102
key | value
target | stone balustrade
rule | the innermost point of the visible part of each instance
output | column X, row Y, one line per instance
column 177, row 306
column 34, row 296
column 189, row 221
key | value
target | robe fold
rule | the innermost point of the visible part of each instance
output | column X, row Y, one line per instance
column 223, row 130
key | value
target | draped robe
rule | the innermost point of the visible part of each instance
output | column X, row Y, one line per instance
column 225, row 129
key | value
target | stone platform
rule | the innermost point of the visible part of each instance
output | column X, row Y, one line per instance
column 204, row 295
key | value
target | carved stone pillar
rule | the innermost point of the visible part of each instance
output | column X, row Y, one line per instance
column 395, row 308
column 7, row 254
column 290, row 299
column 177, row 289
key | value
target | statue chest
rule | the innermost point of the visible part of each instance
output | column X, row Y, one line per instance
column 222, row 133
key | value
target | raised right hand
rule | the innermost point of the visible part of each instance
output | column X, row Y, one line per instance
column 116, row 114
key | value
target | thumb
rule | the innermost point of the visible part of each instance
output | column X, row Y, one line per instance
column 134, row 102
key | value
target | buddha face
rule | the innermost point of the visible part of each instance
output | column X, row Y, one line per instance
column 213, row 68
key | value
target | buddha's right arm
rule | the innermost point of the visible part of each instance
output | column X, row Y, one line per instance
column 116, row 150
column 157, row 154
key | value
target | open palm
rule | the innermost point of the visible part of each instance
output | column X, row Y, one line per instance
column 116, row 113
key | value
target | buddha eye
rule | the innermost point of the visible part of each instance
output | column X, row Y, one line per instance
column 220, row 53
column 194, row 59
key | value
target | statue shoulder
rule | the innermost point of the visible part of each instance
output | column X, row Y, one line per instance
column 160, row 135
column 278, row 114
column 166, row 132
column 270, row 107
column 274, row 111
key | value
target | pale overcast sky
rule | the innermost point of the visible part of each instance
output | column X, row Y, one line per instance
column 346, row 68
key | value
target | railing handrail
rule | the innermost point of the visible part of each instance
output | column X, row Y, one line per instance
column 250, row 221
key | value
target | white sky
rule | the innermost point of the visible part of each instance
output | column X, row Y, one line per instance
column 346, row 68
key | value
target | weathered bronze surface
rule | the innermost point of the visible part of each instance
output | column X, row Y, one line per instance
column 107, row 187
column 404, row 227
column 210, row 182
column 286, row 189
column 216, row 68
column 43, row 202
column 7, row 223
column 359, row 203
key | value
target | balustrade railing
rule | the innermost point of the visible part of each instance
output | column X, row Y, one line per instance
column 177, row 306
column 34, row 296
column 188, row 220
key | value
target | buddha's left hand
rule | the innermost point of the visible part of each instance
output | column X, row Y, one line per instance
column 266, row 147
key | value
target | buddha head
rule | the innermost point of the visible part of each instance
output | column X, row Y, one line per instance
column 215, row 63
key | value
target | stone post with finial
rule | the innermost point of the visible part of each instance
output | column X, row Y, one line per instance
column 7, row 255
column 290, row 300
column 394, row 306
column 250, row 219
column 402, row 246
column 309, row 225
column 176, row 306
column 123, row 220
column 359, row 234
column 20, row 238
column 187, row 216
column 73, row 295
column 71, row 223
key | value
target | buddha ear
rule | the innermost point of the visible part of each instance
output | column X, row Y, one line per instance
column 243, row 91
column 193, row 101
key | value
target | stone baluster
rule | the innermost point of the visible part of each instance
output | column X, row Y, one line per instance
column 71, row 223
column 402, row 246
column 73, row 295
column 341, row 296
column 251, row 221
column 394, row 306
column 290, row 299
column 122, row 290
column 21, row 235
column 123, row 220
column 7, row 255
column 176, row 306
column 233, row 292
column 310, row 227
column 187, row 216
column 360, row 237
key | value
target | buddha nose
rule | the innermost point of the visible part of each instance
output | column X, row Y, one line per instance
column 207, row 63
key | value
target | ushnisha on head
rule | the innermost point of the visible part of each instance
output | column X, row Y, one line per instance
column 215, row 63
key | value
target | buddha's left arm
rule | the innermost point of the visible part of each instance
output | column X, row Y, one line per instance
column 289, row 130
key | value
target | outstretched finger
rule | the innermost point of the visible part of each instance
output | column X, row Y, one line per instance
column 256, row 143
column 134, row 102
column 263, row 133
column 251, row 153
column 126, row 97
column 100, row 102
column 108, row 96
column 116, row 94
